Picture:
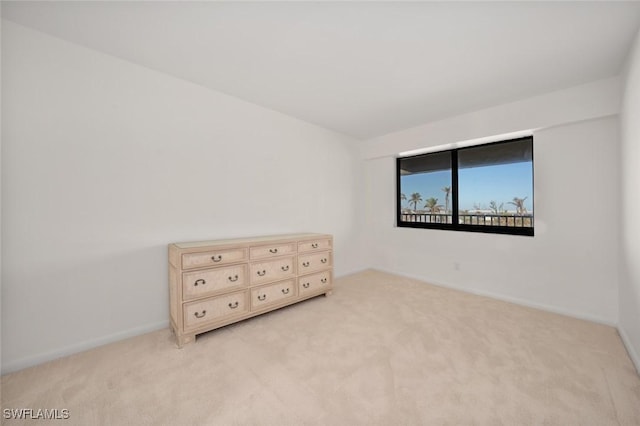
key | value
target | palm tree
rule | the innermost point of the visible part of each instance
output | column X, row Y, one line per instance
column 415, row 199
column 432, row 205
column 495, row 208
column 402, row 198
column 519, row 203
column 447, row 192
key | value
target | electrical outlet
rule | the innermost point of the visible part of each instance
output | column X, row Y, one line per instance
column 456, row 266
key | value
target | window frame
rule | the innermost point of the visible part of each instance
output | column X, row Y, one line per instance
column 455, row 225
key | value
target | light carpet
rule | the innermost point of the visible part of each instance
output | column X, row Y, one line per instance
column 382, row 350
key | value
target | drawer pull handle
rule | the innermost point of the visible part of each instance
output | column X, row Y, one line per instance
column 233, row 305
column 323, row 260
column 285, row 268
column 306, row 285
column 314, row 245
column 217, row 258
column 274, row 251
column 285, row 291
column 305, row 264
column 262, row 297
column 233, row 279
column 324, row 281
column 199, row 282
column 261, row 273
column 200, row 315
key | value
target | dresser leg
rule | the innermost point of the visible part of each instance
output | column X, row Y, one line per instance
column 185, row 339
column 327, row 294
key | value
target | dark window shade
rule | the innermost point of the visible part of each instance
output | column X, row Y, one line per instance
column 495, row 154
column 425, row 163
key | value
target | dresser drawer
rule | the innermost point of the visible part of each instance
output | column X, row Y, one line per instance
column 263, row 252
column 314, row 283
column 208, row 282
column 272, row 293
column 202, row 312
column 272, row 270
column 314, row 262
column 314, row 245
column 213, row 258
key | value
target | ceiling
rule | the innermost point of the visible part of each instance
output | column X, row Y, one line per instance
column 361, row 68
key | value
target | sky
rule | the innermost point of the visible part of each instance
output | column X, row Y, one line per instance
column 478, row 185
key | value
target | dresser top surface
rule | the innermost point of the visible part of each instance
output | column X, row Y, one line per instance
column 249, row 240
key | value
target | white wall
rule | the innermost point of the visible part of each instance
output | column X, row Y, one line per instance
column 104, row 163
column 630, row 264
column 570, row 266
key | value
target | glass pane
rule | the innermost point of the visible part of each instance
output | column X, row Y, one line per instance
column 425, row 188
column 495, row 184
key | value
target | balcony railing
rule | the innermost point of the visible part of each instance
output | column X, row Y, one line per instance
column 481, row 219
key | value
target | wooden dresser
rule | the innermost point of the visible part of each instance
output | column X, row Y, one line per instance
column 216, row 283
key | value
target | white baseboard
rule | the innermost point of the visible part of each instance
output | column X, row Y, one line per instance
column 93, row 343
column 353, row 272
column 22, row 363
column 515, row 300
column 635, row 358
column 31, row 361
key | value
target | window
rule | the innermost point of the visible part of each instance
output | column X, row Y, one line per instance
column 482, row 188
